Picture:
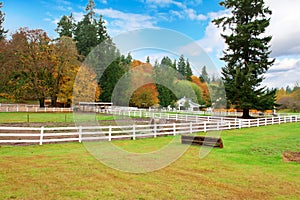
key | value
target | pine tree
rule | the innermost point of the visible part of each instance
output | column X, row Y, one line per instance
column 181, row 67
column 188, row 71
column 102, row 34
column 2, row 31
column 174, row 65
column 66, row 26
column 85, row 36
column 204, row 75
column 90, row 9
column 88, row 32
column 165, row 76
column 166, row 61
column 247, row 55
column 148, row 59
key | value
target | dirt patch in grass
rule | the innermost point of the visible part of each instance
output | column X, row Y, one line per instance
column 289, row 156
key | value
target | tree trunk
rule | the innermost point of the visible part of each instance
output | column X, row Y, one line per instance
column 42, row 102
column 53, row 101
column 246, row 114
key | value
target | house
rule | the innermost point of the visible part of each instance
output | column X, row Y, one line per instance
column 187, row 104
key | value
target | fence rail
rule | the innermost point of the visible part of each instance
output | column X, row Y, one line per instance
column 41, row 135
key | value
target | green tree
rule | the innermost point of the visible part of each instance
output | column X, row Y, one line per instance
column 85, row 36
column 204, row 75
column 66, row 26
column 90, row 9
column 89, row 32
column 181, row 67
column 148, row 59
column 166, row 61
column 2, row 31
column 188, row 71
column 247, row 55
column 112, row 75
column 165, row 76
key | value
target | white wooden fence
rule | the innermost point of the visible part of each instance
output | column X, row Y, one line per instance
column 41, row 135
column 30, row 108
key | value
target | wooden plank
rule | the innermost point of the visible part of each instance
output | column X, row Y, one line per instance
column 202, row 140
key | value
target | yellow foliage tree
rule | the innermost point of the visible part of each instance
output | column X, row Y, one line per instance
column 86, row 88
column 146, row 94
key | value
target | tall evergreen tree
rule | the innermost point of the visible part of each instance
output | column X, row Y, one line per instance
column 188, row 71
column 89, row 32
column 90, row 9
column 181, row 67
column 174, row 65
column 166, row 61
column 102, row 34
column 66, row 26
column 204, row 75
column 2, row 31
column 148, row 59
column 165, row 75
column 85, row 36
column 247, row 55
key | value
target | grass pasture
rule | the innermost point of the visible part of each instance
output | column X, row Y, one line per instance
column 248, row 167
column 23, row 117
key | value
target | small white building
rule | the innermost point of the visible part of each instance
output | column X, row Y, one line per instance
column 187, row 104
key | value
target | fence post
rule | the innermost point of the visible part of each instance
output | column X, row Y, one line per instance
column 109, row 133
column 133, row 132
column 191, row 127
column 176, row 116
column 249, row 123
column 218, row 126
column 279, row 119
column 80, row 134
column 240, row 124
column 155, row 129
column 266, row 122
column 272, row 120
column 174, row 129
column 284, row 119
column 41, row 135
column 257, row 122
column 204, row 127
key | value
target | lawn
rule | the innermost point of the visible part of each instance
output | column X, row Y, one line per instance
column 248, row 167
column 21, row 117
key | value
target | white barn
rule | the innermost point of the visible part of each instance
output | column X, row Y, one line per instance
column 187, row 102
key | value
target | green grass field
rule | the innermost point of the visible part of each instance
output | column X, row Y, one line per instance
column 248, row 167
column 23, row 117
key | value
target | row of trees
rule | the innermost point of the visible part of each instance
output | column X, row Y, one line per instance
column 31, row 62
column 35, row 67
column 289, row 98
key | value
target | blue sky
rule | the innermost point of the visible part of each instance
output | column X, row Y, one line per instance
column 190, row 18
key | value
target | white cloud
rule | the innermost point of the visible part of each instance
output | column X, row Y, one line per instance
column 284, row 27
column 284, row 72
column 159, row 2
column 212, row 42
column 183, row 11
column 119, row 21
column 191, row 13
column 285, row 44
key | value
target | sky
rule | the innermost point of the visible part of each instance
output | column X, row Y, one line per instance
column 189, row 20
